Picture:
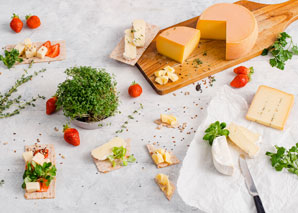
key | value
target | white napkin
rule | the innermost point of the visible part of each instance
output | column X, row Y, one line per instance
column 202, row 186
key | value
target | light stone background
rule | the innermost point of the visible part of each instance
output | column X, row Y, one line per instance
column 91, row 30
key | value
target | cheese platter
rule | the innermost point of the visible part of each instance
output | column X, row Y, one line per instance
column 272, row 19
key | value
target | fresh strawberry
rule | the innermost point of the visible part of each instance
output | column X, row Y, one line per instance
column 71, row 135
column 244, row 70
column 239, row 81
column 54, row 51
column 47, row 44
column 32, row 21
column 51, row 105
column 135, row 90
column 16, row 24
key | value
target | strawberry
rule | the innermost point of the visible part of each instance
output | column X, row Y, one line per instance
column 53, row 51
column 47, row 44
column 16, row 24
column 32, row 21
column 239, row 81
column 71, row 135
column 135, row 90
column 244, row 70
column 51, row 105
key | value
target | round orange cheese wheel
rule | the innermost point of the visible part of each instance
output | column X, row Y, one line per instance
column 233, row 23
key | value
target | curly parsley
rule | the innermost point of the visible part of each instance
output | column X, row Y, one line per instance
column 10, row 58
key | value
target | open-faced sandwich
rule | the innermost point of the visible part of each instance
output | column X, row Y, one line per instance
column 165, row 185
column 40, row 171
column 112, row 155
column 161, row 157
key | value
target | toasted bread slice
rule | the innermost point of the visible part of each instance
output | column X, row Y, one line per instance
column 174, row 159
column 51, row 193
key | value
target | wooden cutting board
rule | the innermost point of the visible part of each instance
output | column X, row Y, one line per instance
column 272, row 19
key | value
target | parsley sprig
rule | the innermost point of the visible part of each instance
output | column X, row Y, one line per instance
column 283, row 158
column 215, row 129
column 10, row 58
column 34, row 172
column 281, row 51
column 120, row 154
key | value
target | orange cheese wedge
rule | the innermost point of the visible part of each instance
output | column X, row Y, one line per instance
column 178, row 43
column 233, row 23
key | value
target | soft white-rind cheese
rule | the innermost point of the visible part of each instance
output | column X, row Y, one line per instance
column 222, row 158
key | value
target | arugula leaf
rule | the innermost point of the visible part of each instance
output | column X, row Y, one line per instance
column 215, row 129
column 10, row 58
column 281, row 50
column 285, row 159
column 120, row 153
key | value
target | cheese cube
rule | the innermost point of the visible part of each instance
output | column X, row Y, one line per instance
column 139, row 28
column 160, row 151
column 172, row 76
column 169, row 119
column 130, row 50
column 42, row 51
column 32, row 187
column 159, row 80
column 21, row 48
column 157, row 158
column 38, row 158
column 178, row 43
column 28, row 156
column 162, row 179
column 30, row 51
column 270, row 107
column 28, row 42
column 160, row 73
column 169, row 69
column 164, row 79
column 167, row 157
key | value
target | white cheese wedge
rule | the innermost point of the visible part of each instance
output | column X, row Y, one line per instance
column 28, row 156
column 139, row 30
column 32, row 186
column 270, row 107
column 42, row 51
column 243, row 140
column 30, row 52
column 38, row 158
column 21, row 48
column 130, row 50
column 102, row 152
column 28, row 42
column 252, row 135
column 172, row 76
column 222, row 158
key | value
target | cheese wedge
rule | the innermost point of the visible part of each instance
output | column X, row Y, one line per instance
column 103, row 151
column 254, row 136
column 130, row 50
column 32, row 187
column 139, row 29
column 233, row 23
column 178, row 43
column 168, row 119
column 21, row 48
column 28, row 156
column 242, row 140
column 42, row 51
column 270, row 107
column 222, row 158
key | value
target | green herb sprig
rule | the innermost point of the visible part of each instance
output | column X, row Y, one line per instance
column 6, row 102
column 285, row 159
column 120, row 154
column 281, row 51
column 215, row 129
column 10, row 58
column 2, row 182
column 35, row 171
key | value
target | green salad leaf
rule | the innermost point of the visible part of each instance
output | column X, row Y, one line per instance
column 215, row 129
column 10, row 58
column 120, row 154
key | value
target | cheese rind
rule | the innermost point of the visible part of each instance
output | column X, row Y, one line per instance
column 130, row 50
column 32, row 187
column 103, row 151
column 178, row 43
column 27, row 156
column 139, row 30
column 243, row 140
column 222, row 158
column 233, row 23
column 270, row 107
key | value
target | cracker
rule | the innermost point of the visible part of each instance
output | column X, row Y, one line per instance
column 117, row 53
column 169, row 197
column 60, row 57
column 174, row 159
column 105, row 166
column 51, row 193
column 161, row 124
